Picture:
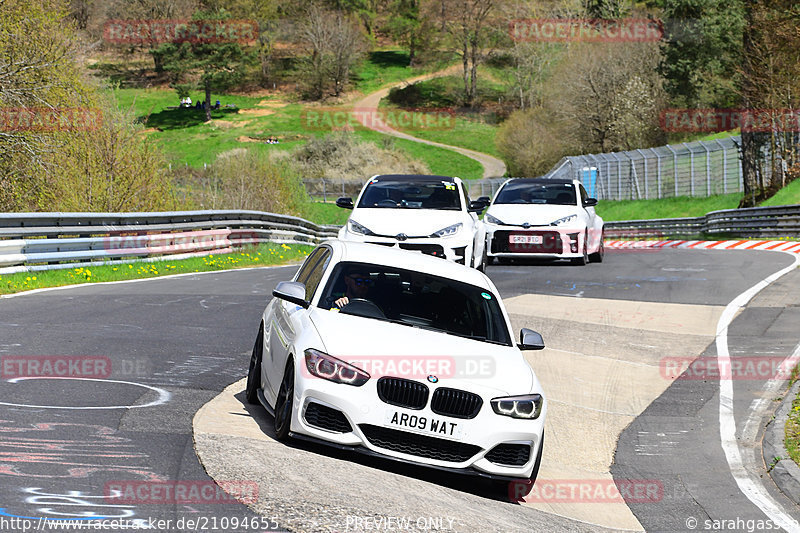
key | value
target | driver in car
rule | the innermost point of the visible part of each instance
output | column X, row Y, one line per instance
column 357, row 285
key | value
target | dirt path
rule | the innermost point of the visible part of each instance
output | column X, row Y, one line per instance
column 492, row 166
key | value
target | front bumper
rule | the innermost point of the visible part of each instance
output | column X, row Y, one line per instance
column 556, row 241
column 457, row 249
column 366, row 414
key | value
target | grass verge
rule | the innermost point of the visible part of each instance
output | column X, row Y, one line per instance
column 792, row 440
column 665, row 208
column 262, row 255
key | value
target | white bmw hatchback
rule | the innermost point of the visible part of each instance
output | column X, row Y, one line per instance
column 428, row 214
column 546, row 218
column 400, row 355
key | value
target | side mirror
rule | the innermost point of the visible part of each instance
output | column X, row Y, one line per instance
column 476, row 206
column 590, row 202
column 344, row 203
column 485, row 199
column 530, row 340
column 292, row 291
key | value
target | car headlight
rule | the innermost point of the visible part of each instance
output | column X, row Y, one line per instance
column 325, row 366
column 355, row 227
column 493, row 220
column 448, row 231
column 563, row 220
column 528, row 406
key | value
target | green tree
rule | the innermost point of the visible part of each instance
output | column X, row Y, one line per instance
column 702, row 52
column 216, row 65
column 404, row 25
column 770, row 85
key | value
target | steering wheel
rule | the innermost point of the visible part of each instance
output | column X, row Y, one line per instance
column 387, row 203
column 362, row 307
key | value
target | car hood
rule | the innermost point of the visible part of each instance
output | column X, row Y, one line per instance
column 533, row 214
column 412, row 222
column 383, row 348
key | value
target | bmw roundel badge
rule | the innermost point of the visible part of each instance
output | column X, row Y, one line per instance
column 433, row 379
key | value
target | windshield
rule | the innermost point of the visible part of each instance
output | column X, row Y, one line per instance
column 537, row 193
column 416, row 299
column 422, row 194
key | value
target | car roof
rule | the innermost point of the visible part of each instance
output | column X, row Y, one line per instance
column 414, row 177
column 541, row 181
column 408, row 260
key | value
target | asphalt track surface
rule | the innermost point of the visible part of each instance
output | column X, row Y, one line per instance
column 173, row 344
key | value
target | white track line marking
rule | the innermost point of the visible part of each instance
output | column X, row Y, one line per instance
column 750, row 484
column 163, row 396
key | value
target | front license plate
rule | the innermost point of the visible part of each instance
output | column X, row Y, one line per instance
column 525, row 239
column 426, row 425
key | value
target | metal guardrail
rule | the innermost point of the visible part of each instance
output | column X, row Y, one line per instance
column 779, row 221
column 45, row 241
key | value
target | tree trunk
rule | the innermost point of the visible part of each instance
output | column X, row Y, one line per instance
column 208, row 103
column 749, row 142
column 158, row 61
column 465, row 56
column 473, row 89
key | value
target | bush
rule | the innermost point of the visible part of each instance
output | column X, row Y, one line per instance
column 340, row 156
column 248, row 179
column 531, row 142
column 110, row 167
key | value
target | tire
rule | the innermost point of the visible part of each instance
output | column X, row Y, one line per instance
column 517, row 490
column 484, row 261
column 254, row 370
column 283, row 403
column 580, row 261
column 597, row 257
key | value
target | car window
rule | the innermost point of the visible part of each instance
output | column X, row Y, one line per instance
column 584, row 194
column 316, row 272
column 537, row 193
column 311, row 272
column 411, row 194
column 466, row 197
column 417, row 299
column 308, row 264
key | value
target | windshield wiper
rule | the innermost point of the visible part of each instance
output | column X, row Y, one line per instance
column 478, row 338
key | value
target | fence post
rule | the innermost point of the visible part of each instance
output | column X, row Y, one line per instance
column 724, row 167
column 708, row 169
column 658, row 170
column 644, row 159
column 691, row 169
column 619, row 175
column 324, row 192
column 674, row 167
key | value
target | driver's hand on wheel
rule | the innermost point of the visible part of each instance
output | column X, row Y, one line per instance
column 341, row 302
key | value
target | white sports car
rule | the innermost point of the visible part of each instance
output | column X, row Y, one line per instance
column 547, row 218
column 429, row 214
column 401, row 355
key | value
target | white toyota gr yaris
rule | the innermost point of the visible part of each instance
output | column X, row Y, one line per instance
column 428, row 214
column 543, row 218
column 401, row 355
